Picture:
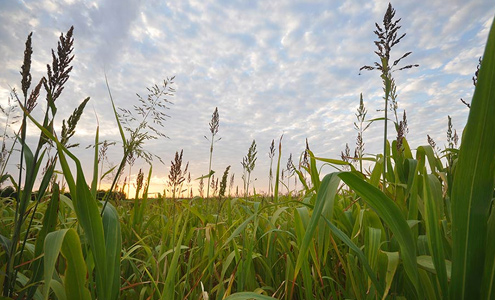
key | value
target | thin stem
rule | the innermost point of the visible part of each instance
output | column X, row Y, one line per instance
column 107, row 194
column 385, row 145
column 209, row 167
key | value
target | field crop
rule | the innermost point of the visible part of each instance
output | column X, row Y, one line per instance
column 403, row 224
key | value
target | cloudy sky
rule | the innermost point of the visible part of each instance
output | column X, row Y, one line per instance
column 271, row 68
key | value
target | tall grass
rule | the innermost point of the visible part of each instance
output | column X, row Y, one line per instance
column 408, row 227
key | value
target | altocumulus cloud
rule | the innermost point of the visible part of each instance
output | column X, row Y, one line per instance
column 271, row 68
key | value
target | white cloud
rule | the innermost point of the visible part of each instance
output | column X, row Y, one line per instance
column 270, row 68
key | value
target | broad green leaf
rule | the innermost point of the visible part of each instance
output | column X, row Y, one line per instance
column 392, row 264
column 392, row 216
column 315, row 176
column 58, row 290
column 90, row 220
column 86, row 211
column 427, row 285
column 66, row 241
column 113, row 242
column 248, row 296
column 75, row 272
column 377, row 171
column 325, row 194
column 472, row 190
column 426, row 263
column 372, row 246
column 52, row 246
column 488, row 291
column 432, row 195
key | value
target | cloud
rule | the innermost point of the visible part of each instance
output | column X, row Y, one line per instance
column 271, row 68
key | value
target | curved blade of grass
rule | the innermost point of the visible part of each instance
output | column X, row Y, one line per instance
column 301, row 221
column 88, row 215
column 426, row 151
column 66, row 241
column 327, row 191
column 113, row 242
column 169, row 291
column 432, row 195
column 392, row 216
column 472, row 190
column 49, row 223
column 333, row 161
column 426, row 263
column 248, row 296
column 53, row 243
column 392, row 264
column 121, row 131
column 315, row 176
column 277, row 174
column 371, row 248
column 94, row 182
column 344, row 238
column 488, row 291
column 302, row 180
column 58, row 290
column 75, row 272
column 86, row 211
column 377, row 171
column 239, row 229
column 427, row 285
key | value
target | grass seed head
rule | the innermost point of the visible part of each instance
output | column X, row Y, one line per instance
column 26, row 66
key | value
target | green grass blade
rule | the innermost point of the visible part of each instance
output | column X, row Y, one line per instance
column 315, row 176
column 427, row 285
column 426, row 263
column 94, row 182
column 325, row 194
column 472, row 189
column 377, row 171
column 66, row 241
column 75, row 272
column 121, row 130
column 248, row 296
column 488, row 291
column 58, row 290
column 392, row 264
column 239, row 229
column 277, row 174
column 113, row 242
column 344, row 238
column 432, row 195
column 86, row 211
column 372, row 246
column 392, row 216
column 49, row 223
column 53, row 243
column 168, row 290
column 89, row 217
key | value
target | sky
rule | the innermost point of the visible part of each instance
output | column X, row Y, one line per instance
column 271, row 68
